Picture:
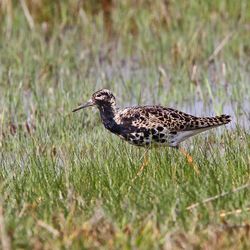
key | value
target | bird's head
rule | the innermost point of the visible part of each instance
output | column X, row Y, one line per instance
column 101, row 98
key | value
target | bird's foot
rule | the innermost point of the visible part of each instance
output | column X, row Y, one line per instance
column 190, row 160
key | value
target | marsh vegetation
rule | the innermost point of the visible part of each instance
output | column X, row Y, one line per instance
column 65, row 182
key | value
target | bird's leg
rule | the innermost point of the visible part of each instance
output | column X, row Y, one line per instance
column 190, row 160
column 144, row 164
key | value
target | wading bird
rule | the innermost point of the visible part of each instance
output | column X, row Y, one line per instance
column 148, row 126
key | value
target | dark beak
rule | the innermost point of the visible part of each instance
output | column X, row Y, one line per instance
column 87, row 104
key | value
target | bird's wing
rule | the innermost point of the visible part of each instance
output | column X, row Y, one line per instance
column 154, row 117
column 171, row 119
column 164, row 123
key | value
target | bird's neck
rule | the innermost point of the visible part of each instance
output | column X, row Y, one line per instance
column 107, row 115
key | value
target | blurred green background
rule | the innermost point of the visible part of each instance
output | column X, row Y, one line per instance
column 65, row 182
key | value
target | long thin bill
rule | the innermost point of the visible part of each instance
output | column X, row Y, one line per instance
column 85, row 105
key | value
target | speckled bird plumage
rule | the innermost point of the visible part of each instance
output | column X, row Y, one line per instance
column 150, row 125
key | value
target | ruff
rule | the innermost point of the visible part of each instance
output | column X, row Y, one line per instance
column 150, row 125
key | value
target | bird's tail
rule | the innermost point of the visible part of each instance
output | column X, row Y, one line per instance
column 218, row 120
column 198, row 125
column 210, row 122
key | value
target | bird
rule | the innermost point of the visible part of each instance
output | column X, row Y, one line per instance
column 150, row 125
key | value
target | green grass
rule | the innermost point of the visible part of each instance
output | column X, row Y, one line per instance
column 66, row 183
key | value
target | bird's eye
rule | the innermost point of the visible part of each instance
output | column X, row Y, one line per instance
column 98, row 95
